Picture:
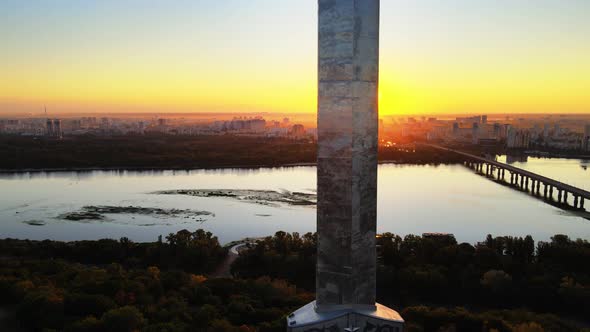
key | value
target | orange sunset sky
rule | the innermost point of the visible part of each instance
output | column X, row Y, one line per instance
column 456, row 56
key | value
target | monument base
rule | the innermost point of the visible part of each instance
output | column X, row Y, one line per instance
column 365, row 319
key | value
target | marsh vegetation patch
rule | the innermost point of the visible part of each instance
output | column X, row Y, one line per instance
column 262, row 197
column 99, row 212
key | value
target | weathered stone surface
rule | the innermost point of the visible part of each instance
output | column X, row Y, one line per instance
column 335, row 69
column 348, row 77
column 347, row 154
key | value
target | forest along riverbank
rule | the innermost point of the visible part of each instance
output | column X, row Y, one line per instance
column 164, row 152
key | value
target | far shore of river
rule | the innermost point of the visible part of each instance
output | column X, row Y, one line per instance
column 171, row 168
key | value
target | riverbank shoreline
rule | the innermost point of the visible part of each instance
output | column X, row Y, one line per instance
column 150, row 168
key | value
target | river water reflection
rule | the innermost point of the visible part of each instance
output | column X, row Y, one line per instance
column 412, row 200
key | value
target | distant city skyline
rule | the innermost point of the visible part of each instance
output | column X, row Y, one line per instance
column 457, row 56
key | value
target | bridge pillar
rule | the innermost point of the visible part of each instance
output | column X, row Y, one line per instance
column 533, row 186
column 515, row 179
column 565, row 197
column 559, row 196
column 575, row 202
column 551, row 192
column 582, row 203
column 545, row 190
column 526, row 183
column 538, row 186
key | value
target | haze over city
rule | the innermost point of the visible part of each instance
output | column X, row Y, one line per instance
column 456, row 56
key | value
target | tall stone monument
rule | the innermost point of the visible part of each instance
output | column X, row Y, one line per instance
column 347, row 174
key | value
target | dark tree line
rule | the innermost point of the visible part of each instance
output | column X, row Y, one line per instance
column 179, row 152
column 501, row 284
column 111, row 286
column 508, row 275
column 151, row 151
column 196, row 252
column 56, row 295
column 284, row 255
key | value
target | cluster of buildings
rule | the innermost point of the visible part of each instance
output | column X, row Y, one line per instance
column 528, row 133
column 107, row 126
column 53, row 128
column 479, row 131
column 241, row 126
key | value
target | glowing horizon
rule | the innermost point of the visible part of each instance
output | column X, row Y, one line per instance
column 260, row 56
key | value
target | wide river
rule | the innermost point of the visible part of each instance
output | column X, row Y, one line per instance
column 412, row 200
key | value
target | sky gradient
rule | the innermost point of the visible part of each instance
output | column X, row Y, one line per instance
column 451, row 56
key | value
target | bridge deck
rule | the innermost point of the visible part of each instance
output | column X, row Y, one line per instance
column 557, row 184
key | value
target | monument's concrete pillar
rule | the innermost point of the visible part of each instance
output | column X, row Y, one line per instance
column 347, row 174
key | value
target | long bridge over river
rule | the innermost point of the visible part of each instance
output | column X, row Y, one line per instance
column 553, row 191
